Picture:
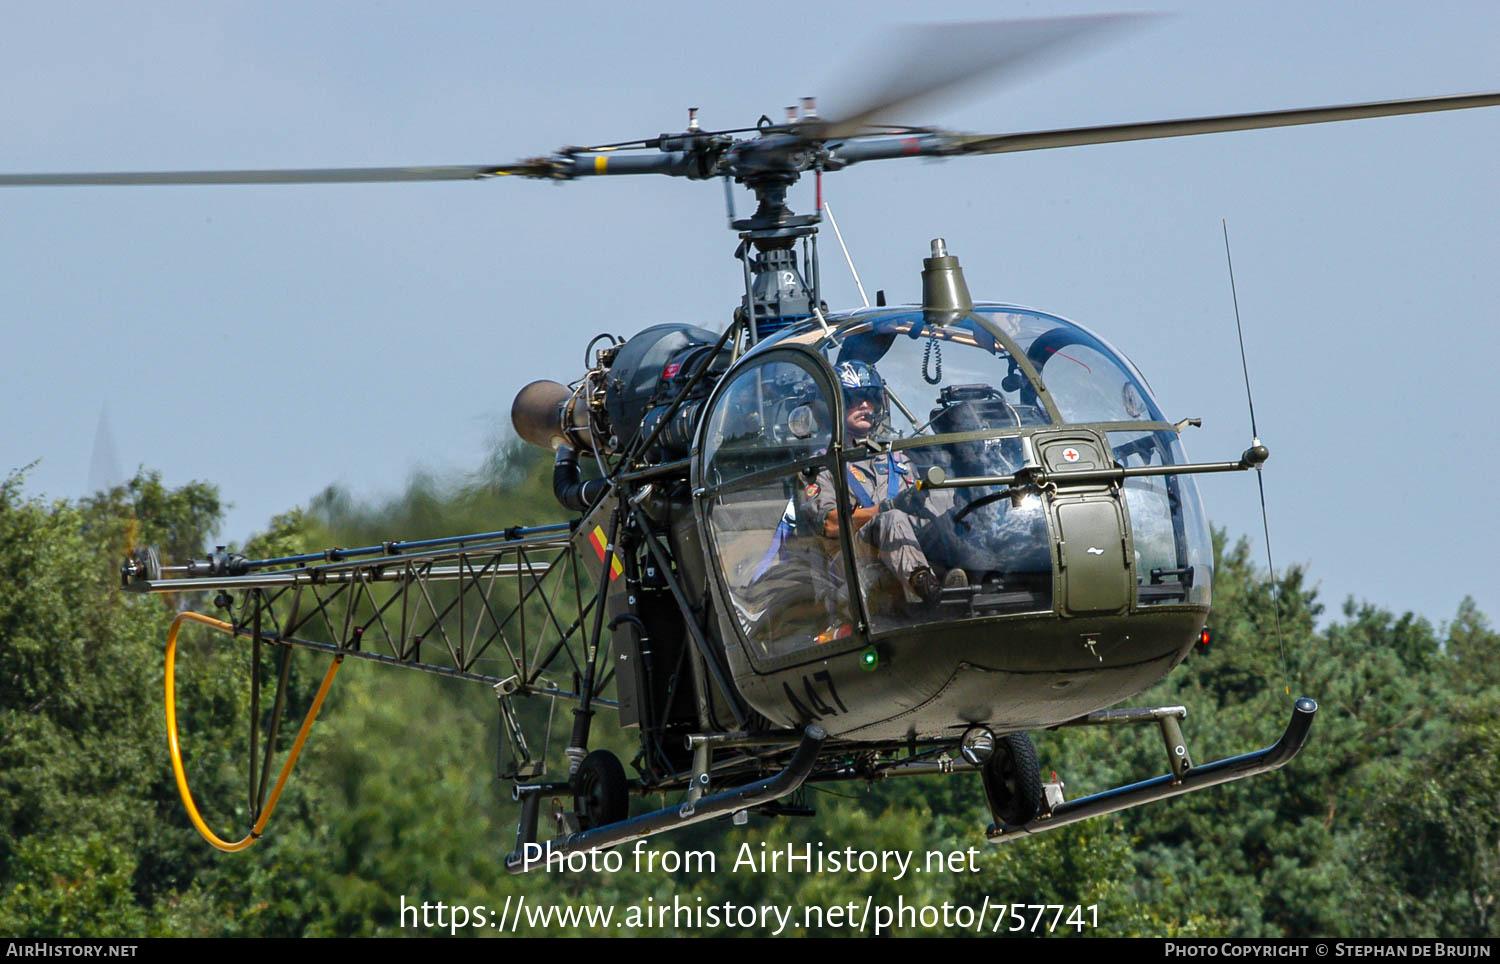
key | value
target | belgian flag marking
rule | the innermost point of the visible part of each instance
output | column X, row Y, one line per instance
column 601, row 542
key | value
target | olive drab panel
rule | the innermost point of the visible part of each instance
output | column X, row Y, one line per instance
column 1091, row 554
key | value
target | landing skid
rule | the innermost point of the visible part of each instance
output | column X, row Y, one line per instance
column 1184, row 778
column 528, row 855
column 1052, row 811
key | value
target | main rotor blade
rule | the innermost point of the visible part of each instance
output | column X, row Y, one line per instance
column 332, row 175
column 1111, row 133
column 926, row 63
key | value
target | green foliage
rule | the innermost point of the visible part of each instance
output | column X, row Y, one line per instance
column 1386, row 824
column 64, row 885
column 1473, row 649
column 83, row 775
column 1088, row 864
column 143, row 512
column 1432, row 864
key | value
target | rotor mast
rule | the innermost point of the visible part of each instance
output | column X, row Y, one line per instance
column 777, row 292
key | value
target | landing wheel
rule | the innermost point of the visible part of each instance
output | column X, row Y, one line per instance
column 601, row 795
column 1012, row 781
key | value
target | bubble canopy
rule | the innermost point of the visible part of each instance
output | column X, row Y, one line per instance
column 811, row 449
column 1047, row 368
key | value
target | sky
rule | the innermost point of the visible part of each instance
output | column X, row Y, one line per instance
column 279, row 339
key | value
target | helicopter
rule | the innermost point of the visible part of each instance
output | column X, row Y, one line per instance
column 703, row 441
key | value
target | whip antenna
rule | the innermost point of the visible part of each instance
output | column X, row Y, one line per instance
column 1244, row 365
column 845, row 248
column 1259, row 478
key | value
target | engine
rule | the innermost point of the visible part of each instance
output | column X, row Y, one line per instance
column 622, row 401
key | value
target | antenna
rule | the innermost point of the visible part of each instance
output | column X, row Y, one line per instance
column 1260, row 479
column 845, row 248
column 1244, row 365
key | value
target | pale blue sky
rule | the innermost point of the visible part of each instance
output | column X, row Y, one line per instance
column 278, row 339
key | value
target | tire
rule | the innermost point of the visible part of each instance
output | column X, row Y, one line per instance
column 602, row 795
column 1013, row 781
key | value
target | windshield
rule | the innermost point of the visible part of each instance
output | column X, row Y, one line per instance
column 1174, row 553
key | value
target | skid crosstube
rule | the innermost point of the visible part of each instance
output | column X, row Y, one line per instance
column 1171, row 785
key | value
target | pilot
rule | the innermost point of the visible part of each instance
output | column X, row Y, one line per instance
column 882, row 531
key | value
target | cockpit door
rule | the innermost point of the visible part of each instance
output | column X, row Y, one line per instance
column 764, row 457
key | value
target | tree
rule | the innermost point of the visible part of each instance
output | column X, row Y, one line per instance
column 1432, row 862
column 80, row 670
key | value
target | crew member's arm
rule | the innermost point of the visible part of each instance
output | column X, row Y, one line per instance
column 858, row 518
column 818, row 508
